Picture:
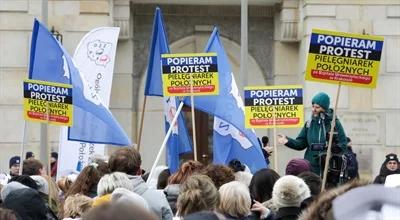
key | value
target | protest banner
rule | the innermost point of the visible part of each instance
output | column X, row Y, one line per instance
column 180, row 71
column 352, row 59
column 48, row 102
column 269, row 106
column 95, row 57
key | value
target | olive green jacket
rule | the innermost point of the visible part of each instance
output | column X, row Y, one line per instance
column 315, row 131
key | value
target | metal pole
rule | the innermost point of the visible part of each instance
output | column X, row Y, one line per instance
column 43, row 156
column 178, row 111
column 243, row 42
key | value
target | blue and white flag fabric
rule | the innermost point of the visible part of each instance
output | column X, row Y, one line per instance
column 94, row 57
column 93, row 122
column 179, row 141
column 231, row 140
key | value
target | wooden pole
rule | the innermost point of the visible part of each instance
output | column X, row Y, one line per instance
column 139, row 137
column 193, row 119
column 178, row 111
column 329, row 153
column 21, row 161
column 275, row 148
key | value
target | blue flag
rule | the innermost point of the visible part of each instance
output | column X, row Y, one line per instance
column 231, row 139
column 92, row 121
column 179, row 141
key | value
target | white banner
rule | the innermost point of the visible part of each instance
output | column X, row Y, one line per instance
column 94, row 57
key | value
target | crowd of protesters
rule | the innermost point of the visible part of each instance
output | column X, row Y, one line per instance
column 117, row 189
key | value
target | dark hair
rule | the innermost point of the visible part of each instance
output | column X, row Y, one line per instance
column 264, row 140
column 87, row 179
column 126, row 160
column 187, row 169
column 313, row 181
column 236, row 165
column 219, row 174
column 32, row 167
column 29, row 154
column 7, row 214
column 348, row 139
column 162, row 180
column 262, row 183
column 25, row 180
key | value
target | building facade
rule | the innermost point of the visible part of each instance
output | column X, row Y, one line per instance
column 278, row 36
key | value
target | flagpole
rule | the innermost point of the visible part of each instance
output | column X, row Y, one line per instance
column 169, row 132
column 21, row 166
column 275, row 148
column 139, row 138
column 48, row 151
column 193, row 119
column 328, row 153
column 44, row 157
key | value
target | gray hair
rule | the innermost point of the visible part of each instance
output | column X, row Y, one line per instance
column 235, row 199
column 109, row 182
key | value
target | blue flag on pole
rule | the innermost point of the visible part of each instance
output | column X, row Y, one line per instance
column 231, row 139
column 92, row 121
column 179, row 141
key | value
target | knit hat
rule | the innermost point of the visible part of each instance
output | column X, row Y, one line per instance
column 321, row 99
column 289, row 191
column 297, row 166
column 390, row 157
column 16, row 160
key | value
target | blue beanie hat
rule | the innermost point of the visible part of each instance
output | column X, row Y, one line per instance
column 321, row 99
column 15, row 160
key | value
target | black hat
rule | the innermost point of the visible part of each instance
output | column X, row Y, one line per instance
column 29, row 154
column 390, row 157
column 15, row 160
column 236, row 165
column 54, row 155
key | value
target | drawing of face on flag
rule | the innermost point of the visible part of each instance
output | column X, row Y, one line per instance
column 169, row 113
column 99, row 52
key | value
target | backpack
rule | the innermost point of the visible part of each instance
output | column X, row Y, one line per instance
column 350, row 166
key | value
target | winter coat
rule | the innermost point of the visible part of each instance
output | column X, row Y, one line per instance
column 381, row 178
column 288, row 213
column 155, row 198
column 172, row 192
column 315, row 131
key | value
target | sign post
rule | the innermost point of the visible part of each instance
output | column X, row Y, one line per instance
column 190, row 75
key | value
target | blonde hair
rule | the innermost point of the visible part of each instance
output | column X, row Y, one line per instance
column 235, row 199
column 76, row 205
column 109, row 182
column 198, row 193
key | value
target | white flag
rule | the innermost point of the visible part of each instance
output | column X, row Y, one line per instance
column 94, row 57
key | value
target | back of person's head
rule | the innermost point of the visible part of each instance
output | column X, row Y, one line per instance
column 235, row 199
column 162, row 180
column 7, row 214
column 319, row 209
column 126, row 160
column 290, row 191
column 65, row 183
column 297, row 166
column 27, row 203
column 125, row 196
column 29, row 154
column 32, row 167
column 109, row 182
column 219, row 174
column 198, row 193
column 264, row 140
column 236, row 165
column 187, row 169
column 86, row 180
column 244, row 177
column 76, row 205
column 209, row 215
column 118, row 212
column 262, row 183
column 25, row 180
column 313, row 182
